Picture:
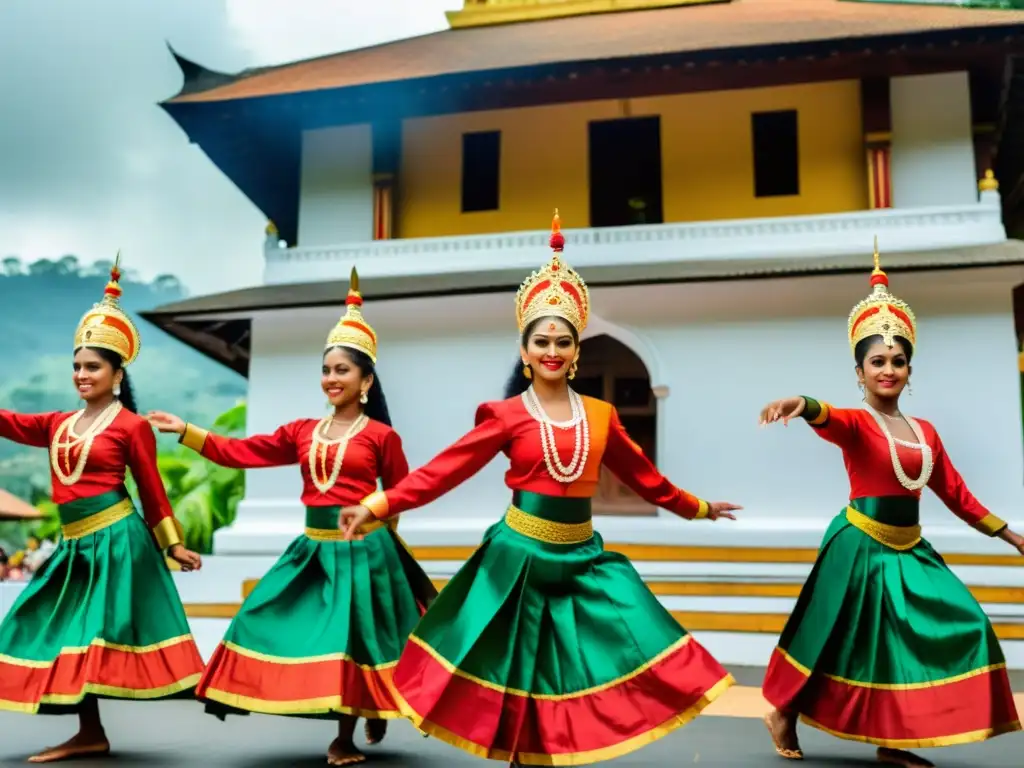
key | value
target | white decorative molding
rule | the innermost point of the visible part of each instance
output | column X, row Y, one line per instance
column 754, row 241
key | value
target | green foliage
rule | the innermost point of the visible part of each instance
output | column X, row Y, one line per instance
column 49, row 527
column 204, row 495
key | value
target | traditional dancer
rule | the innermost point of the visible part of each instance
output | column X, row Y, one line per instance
column 321, row 633
column 102, row 617
column 545, row 649
column 886, row 646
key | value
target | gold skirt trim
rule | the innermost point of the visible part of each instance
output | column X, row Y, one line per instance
column 99, row 521
column 336, row 534
column 898, row 537
column 546, row 530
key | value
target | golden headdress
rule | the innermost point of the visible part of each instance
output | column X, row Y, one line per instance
column 555, row 290
column 107, row 326
column 881, row 313
column 352, row 330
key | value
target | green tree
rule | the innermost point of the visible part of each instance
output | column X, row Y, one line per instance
column 204, row 496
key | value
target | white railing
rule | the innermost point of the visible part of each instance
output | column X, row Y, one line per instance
column 721, row 243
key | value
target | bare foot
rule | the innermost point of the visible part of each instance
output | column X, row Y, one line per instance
column 899, row 757
column 375, row 731
column 79, row 745
column 344, row 752
column 783, row 733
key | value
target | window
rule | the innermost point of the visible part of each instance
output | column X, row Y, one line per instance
column 609, row 370
column 625, row 172
column 481, row 160
column 776, row 162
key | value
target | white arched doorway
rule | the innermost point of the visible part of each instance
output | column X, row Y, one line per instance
column 611, row 371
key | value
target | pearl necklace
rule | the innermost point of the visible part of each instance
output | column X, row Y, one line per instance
column 581, row 431
column 319, row 441
column 66, row 475
column 921, row 444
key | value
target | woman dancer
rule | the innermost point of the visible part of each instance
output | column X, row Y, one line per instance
column 321, row 633
column 101, row 618
column 886, row 646
column 545, row 649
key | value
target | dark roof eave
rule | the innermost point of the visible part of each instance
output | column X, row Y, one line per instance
column 747, row 54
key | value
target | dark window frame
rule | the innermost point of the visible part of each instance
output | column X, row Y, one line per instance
column 775, row 142
column 481, row 171
column 601, row 215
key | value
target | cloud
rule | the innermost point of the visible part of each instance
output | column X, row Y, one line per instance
column 89, row 163
column 273, row 31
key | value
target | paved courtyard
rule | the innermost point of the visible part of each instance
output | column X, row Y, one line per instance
column 158, row 734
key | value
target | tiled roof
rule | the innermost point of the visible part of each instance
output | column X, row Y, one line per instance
column 687, row 29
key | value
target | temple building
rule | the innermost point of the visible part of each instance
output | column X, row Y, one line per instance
column 722, row 170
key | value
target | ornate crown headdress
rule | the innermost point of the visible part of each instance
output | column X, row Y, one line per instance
column 352, row 330
column 107, row 326
column 881, row 313
column 555, row 290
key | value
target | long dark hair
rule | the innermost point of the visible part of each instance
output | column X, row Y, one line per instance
column 376, row 404
column 861, row 350
column 518, row 383
column 127, row 396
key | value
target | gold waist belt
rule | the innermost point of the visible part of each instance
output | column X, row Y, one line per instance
column 336, row 534
column 897, row 537
column 99, row 521
column 546, row 530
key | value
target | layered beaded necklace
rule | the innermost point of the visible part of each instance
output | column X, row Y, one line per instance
column 581, row 431
column 65, row 439
column 321, row 444
column 921, row 444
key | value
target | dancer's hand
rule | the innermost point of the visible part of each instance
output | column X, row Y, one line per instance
column 719, row 509
column 1015, row 540
column 188, row 560
column 351, row 518
column 166, row 422
column 786, row 409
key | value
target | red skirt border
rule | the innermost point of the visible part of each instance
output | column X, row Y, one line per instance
column 100, row 669
column 275, row 685
column 501, row 724
column 907, row 716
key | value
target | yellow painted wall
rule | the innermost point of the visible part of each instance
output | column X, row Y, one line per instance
column 707, row 159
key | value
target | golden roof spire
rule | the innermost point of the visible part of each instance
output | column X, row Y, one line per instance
column 486, row 13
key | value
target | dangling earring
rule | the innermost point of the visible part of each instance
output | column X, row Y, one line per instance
column 364, row 398
column 117, row 390
column 863, row 395
column 909, row 390
column 526, row 371
column 572, row 371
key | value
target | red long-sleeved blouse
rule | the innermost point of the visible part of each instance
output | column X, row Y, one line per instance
column 869, row 464
column 374, row 452
column 507, row 427
column 128, row 442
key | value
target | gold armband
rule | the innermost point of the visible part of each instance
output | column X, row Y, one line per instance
column 990, row 525
column 168, row 532
column 703, row 508
column 377, row 503
column 193, row 437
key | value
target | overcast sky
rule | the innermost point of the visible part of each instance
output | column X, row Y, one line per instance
column 89, row 163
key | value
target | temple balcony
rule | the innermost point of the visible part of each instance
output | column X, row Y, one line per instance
column 907, row 237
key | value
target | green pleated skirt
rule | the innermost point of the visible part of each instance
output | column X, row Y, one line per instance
column 887, row 646
column 100, row 618
column 547, row 648
column 322, row 631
